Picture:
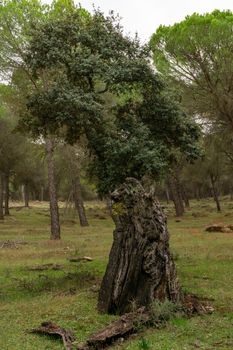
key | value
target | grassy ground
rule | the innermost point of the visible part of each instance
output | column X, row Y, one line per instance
column 68, row 296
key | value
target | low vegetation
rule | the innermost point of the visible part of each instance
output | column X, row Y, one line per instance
column 66, row 292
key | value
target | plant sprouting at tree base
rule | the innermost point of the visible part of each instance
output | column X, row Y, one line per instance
column 140, row 267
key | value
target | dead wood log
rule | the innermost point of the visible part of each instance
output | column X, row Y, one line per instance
column 195, row 305
column 121, row 328
column 45, row 267
column 125, row 326
column 84, row 258
column 50, row 328
column 130, row 323
column 12, row 244
column 219, row 228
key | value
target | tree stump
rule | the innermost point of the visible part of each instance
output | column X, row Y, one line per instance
column 140, row 267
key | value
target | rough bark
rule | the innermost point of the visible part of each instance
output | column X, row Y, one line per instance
column 1, row 196
column 54, row 211
column 78, row 199
column 215, row 192
column 7, row 195
column 140, row 267
column 176, row 193
column 26, row 195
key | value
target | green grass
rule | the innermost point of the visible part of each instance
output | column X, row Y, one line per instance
column 69, row 296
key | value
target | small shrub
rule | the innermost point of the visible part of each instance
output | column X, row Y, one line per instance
column 164, row 311
column 144, row 344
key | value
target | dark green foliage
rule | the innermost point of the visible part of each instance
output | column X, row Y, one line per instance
column 196, row 56
column 97, row 82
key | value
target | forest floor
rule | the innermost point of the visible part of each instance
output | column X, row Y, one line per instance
column 68, row 294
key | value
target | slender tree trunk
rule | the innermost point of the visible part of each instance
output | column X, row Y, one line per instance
column 140, row 267
column 7, row 194
column 167, row 195
column 22, row 193
column 231, row 192
column 78, row 200
column 215, row 192
column 185, row 197
column 198, row 194
column 1, row 196
column 42, row 194
column 26, row 195
column 176, row 195
column 54, row 211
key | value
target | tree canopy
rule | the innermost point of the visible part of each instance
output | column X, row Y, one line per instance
column 98, row 82
column 197, row 54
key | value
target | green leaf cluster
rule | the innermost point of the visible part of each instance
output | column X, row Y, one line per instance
column 94, row 81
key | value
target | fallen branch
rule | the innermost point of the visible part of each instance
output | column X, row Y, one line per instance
column 12, row 244
column 84, row 258
column 130, row 323
column 45, row 267
column 220, row 228
column 50, row 328
column 195, row 305
column 126, row 325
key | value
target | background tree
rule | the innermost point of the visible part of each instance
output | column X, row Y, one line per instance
column 15, row 35
column 73, row 158
column 196, row 55
column 11, row 152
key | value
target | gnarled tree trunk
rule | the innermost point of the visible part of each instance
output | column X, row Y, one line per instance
column 54, row 211
column 140, row 267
